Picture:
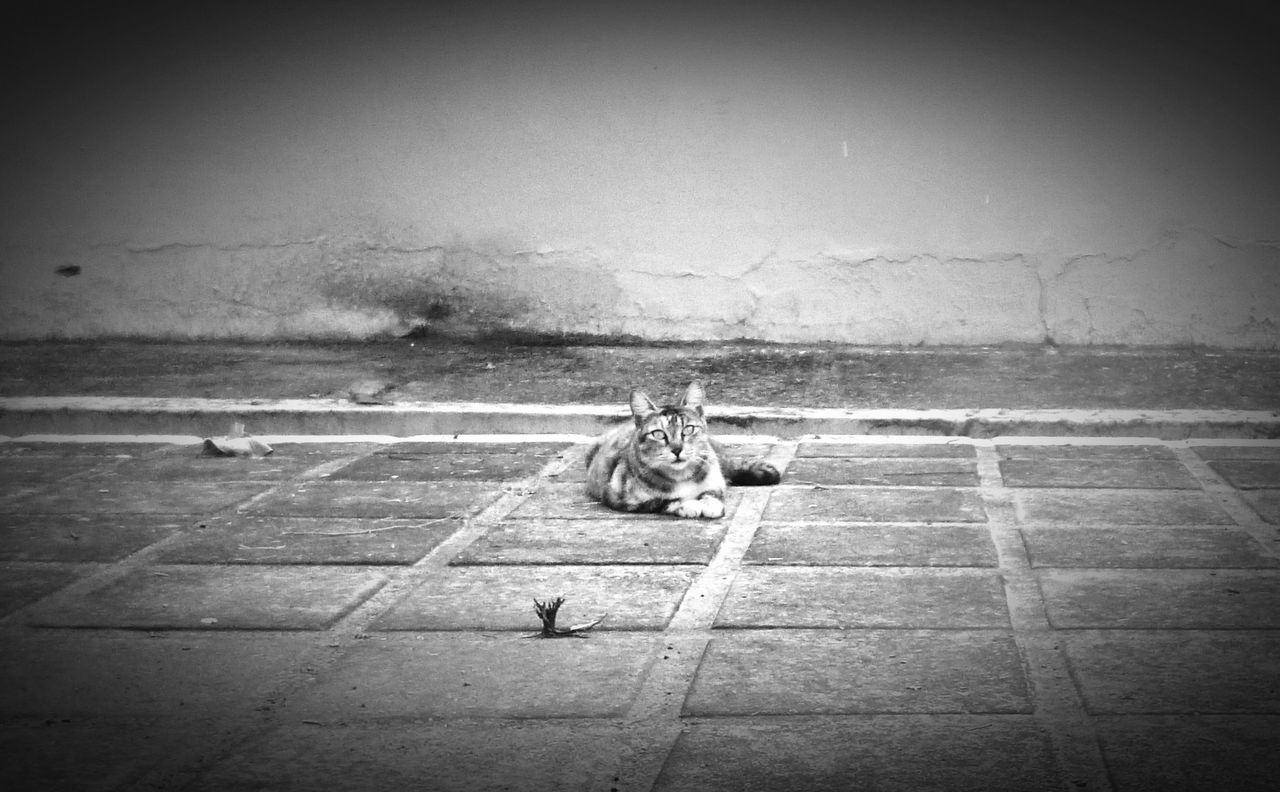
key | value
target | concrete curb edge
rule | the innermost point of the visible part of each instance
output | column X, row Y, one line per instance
column 206, row 417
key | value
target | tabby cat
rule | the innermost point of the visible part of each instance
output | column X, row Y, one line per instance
column 666, row 462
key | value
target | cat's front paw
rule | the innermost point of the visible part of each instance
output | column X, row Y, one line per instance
column 706, row 508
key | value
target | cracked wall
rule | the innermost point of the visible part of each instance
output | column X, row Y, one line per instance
column 1187, row 289
column 905, row 174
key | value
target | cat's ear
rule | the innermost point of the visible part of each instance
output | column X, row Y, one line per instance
column 693, row 397
column 641, row 406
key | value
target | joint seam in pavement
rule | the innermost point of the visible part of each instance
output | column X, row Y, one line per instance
column 1056, row 702
column 657, row 708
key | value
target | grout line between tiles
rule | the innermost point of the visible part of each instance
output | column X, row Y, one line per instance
column 655, row 715
column 1057, row 703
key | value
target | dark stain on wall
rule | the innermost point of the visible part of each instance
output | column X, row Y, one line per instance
column 469, row 289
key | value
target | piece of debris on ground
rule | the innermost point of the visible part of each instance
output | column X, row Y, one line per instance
column 236, row 444
column 547, row 612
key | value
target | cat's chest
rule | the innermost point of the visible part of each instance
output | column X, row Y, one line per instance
column 711, row 481
column 686, row 490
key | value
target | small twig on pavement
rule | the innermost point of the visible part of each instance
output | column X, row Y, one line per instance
column 547, row 613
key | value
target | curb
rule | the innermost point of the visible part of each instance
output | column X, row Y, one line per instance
column 62, row 415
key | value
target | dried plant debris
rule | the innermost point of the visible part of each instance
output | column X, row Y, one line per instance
column 236, row 444
column 547, row 613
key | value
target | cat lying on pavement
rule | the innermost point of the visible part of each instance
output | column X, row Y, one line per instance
column 664, row 461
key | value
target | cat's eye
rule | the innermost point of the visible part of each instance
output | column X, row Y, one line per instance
column 658, row 434
column 689, row 431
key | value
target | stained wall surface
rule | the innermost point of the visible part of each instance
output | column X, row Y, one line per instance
column 892, row 173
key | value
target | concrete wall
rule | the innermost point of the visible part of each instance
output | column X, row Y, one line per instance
column 897, row 173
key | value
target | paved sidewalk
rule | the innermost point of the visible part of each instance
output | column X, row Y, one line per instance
column 900, row 614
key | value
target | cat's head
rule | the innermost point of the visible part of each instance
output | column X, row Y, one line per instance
column 675, row 433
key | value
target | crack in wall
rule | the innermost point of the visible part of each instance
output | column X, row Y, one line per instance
column 1042, row 302
column 1187, row 287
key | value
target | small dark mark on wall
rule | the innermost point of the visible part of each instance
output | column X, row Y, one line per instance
column 68, row 270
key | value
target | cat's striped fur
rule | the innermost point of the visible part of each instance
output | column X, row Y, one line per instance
column 664, row 461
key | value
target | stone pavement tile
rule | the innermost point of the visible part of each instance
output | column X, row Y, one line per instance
column 466, row 674
column 1176, row 671
column 1162, row 598
column 1113, row 473
column 856, row 597
column 884, row 471
column 1266, row 503
column 411, row 448
column 1145, row 547
column 875, row 504
column 84, row 754
column 1005, row 753
column 179, row 471
column 22, row 584
column 569, row 501
column 885, row 450
column 442, row 756
column 390, row 466
column 748, row 450
column 21, row 487
column 1190, row 753
column 81, row 537
column 84, row 496
column 562, row 500
column 1249, row 473
column 574, row 473
column 620, row 540
column 501, row 597
column 215, row 598
column 795, row 672
column 110, row 450
column 87, row 710
column 250, row 539
column 23, row 473
column 1118, row 507
column 872, row 545
column 1271, row 452
column 1087, row 451
column 74, row 674
column 286, row 459
column 378, row 499
column 319, row 453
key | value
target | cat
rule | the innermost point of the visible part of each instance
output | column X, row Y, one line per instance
column 664, row 461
